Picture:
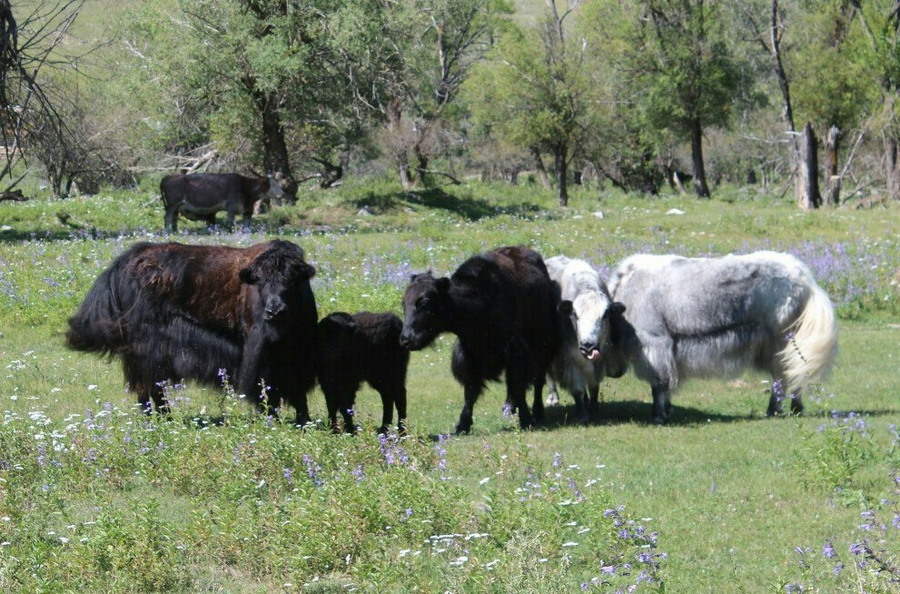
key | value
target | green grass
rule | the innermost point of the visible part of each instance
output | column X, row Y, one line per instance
column 95, row 497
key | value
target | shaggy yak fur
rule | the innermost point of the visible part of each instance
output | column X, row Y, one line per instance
column 199, row 196
column 502, row 307
column 719, row 316
column 586, row 312
column 172, row 311
column 363, row 347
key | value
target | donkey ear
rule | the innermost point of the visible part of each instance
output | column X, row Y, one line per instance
column 565, row 307
column 247, row 276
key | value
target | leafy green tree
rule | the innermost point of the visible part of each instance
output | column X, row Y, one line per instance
column 435, row 44
column 257, row 78
column 685, row 71
column 533, row 90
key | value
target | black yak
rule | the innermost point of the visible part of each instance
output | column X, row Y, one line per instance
column 172, row 311
column 363, row 347
column 502, row 307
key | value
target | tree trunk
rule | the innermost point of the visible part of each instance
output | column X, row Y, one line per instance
column 275, row 152
column 394, row 113
column 892, row 163
column 539, row 166
column 700, row 187
column 832, row 179
column 561, row 165
column 422, row 162
column 808, row 196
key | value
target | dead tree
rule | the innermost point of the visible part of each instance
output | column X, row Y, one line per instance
column 23, row 99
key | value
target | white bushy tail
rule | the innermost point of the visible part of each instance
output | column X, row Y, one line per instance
column 812, row 342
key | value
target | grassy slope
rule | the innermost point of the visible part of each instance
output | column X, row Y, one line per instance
column 724, row 486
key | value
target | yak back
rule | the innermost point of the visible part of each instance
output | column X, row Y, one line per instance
column 150, row 285
column 505, row 293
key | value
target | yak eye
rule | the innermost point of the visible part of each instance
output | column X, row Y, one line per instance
column 423, row 302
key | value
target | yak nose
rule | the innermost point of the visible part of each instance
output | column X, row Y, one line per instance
column 273, row 310
column 589, row 350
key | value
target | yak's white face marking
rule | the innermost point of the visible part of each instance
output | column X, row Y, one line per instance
column 591, row 323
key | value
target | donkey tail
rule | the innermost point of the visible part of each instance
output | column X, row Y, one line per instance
column 812, row 342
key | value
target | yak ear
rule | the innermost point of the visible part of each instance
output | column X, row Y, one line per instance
column 565, row 307
column 247, row 276
column 443, row 285
column 617, row 308
column 310, row 270
column 417, row 275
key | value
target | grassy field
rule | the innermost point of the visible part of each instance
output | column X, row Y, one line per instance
column 96, row 497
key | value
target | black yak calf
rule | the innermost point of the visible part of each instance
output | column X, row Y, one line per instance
column 172, row 311
column 363, row 347
column 502, row 306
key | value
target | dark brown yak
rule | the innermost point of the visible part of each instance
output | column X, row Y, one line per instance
column 172, row 311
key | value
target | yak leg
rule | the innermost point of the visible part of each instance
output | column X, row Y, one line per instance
column 518, row 367
column 140, row 373
column 797, row 403
column 387, row 411
column 776, row 399
column 466, row 373
column 538, row 407
column 171, row 220
column 662, row 404
column 553, row 394
column 594, row 406
column 400, row 403
column 347, row 413
column 331, row 403
column 471, row 392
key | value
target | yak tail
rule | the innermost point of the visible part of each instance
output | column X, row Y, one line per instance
column 98, row 326
column 812, row 342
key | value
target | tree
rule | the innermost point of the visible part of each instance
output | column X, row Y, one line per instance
column 686, row 72
column 435, row 43
column 259, row 79
column 27, row 47
column 533, row 90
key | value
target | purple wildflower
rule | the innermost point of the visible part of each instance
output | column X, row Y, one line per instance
column 312, row 469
